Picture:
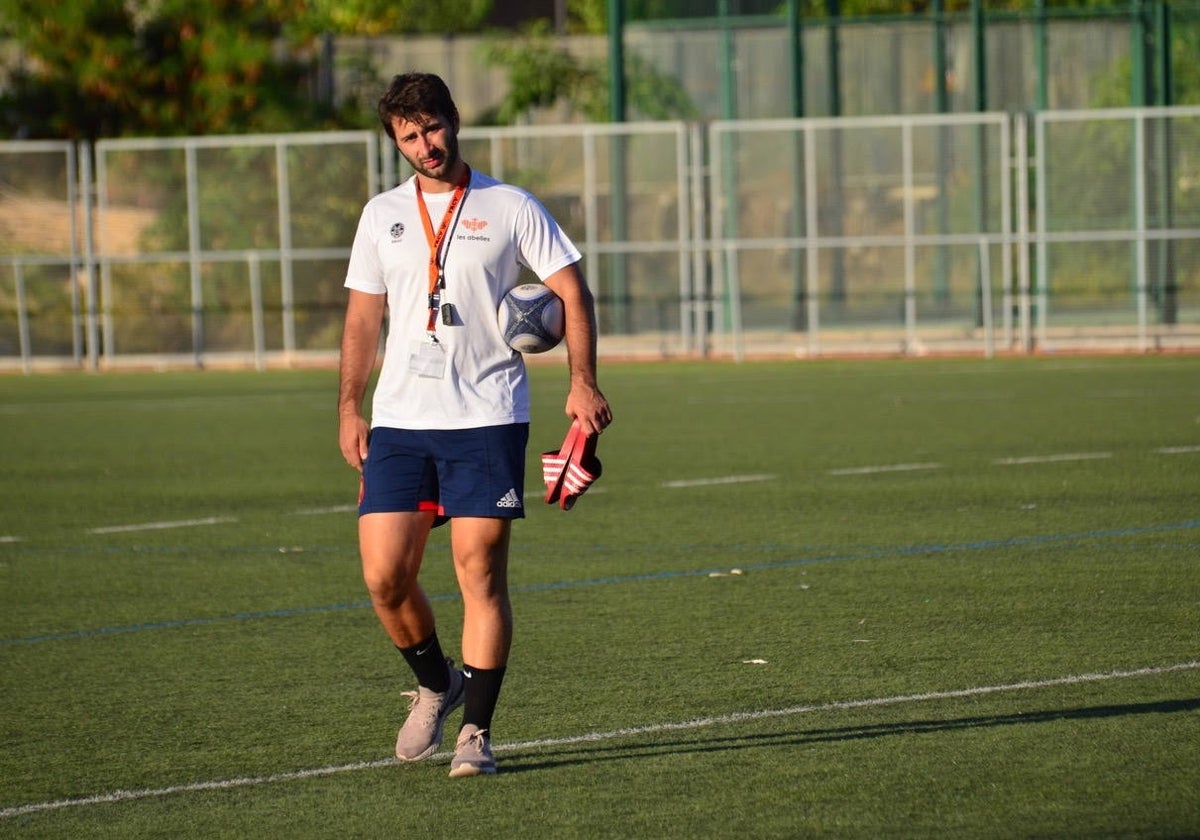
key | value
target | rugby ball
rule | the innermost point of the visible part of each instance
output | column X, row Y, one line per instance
column 531, row 318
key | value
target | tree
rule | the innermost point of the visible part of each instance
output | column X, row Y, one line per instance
column 106, row 68
column 542, row 73
column 97, row 68
column 381, row 17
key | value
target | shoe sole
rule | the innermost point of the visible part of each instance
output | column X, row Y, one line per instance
column 465, row 770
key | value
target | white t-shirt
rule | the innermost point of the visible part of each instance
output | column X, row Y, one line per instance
column 498, row 229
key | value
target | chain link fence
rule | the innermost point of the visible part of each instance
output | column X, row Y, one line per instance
column 975, row 233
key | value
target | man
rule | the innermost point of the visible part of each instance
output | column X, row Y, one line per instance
column 450, row 414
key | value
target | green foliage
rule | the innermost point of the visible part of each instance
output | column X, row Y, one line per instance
column 95, row 68
column 587, row 16
column 542, row 73
column 670, row 9
column 1184, row 66
column 381, row 17
column 98, row 68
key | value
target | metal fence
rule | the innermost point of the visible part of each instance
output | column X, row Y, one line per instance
column 727, row 62
column 1117, row 242
column 225, row 245
column 42, row 229
column 835, row 234
column 978, row 233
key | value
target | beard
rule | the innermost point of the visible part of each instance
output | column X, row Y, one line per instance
column 440, row 163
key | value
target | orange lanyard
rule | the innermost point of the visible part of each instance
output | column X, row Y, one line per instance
column 437, row 280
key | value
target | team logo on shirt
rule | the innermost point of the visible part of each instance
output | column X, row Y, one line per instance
column 397, row 231
column 474, row 226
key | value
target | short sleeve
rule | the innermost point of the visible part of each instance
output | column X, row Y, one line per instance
column 365, row 271
column 543, row 246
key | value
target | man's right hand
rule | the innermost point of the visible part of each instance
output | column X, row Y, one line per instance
column 352, row 438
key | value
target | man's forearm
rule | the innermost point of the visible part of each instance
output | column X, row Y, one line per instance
column 360, row 345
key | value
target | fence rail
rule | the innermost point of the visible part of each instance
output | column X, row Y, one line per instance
column 967, row 233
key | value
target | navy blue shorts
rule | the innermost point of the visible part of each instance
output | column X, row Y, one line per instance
column 460, row 472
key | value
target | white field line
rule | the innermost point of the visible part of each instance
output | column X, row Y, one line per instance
column 725, row 479
column 323, row 510
column 885, row 468
column 11, row 539
column 593, row 737
column 699, row 482
column 161, row 526
column 1052, row 459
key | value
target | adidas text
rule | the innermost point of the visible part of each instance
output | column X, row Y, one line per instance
column 510, row 500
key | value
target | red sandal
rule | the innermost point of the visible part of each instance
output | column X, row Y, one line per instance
column 571, row 470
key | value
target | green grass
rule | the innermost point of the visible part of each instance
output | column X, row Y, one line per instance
column 976, row 645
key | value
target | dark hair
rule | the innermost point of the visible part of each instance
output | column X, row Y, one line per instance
column 414, row 95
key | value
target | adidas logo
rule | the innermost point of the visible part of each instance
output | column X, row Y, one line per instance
column 510, row 500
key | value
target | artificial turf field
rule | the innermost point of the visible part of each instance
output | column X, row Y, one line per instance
column 968, row 606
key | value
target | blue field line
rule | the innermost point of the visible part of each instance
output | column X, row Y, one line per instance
column 182, row 622
column 873, row 554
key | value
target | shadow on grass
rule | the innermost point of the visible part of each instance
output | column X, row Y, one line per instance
column 517, row 763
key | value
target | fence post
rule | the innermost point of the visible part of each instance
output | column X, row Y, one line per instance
column 1021, row 301
column 1039, row 55
column 911, row 344
column 1138, row 78
column 693, row 315
column 837, row 283
column 979, row 37
column 812, row 231
column 256, row 310
column 87, row 192
column 985, row 294
column 1166, row 289
column 941, row 283
column 799, row 317
column 796, row 45
column 73, row 203
column 22, row 317
column 1140, row 262
column 194, row 248
column 1040, row 298
column 283, row 198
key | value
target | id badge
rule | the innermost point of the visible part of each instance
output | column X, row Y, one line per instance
column 428, row 360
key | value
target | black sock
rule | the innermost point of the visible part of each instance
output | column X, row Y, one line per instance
column 483, row 690
column 428, row 663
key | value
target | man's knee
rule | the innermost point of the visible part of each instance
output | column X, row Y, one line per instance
column 388, row 585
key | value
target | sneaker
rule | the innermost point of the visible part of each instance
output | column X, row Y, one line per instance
column 472, row 753
column 421, row 734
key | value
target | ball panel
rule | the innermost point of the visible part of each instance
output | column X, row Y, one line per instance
column 531, row 318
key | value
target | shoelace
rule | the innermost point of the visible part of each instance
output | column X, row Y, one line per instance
column 477, row 740
column 430, row 710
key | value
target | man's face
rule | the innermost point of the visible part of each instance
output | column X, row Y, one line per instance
column 429, row 144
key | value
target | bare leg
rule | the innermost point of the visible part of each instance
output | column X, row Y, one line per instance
column 480, row 547
column 392, row 547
